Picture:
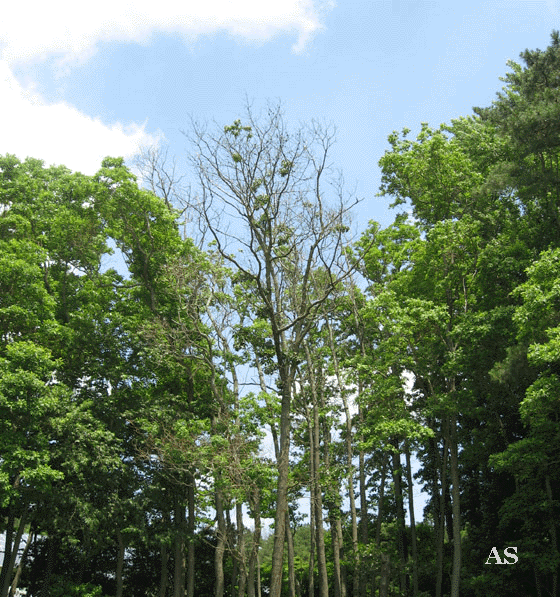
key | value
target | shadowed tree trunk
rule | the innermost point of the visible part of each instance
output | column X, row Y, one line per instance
column 254, row 559
column 190, row 535
column 241, row 550
column 456, row 506
column 163, row 575
column 401, row 521
column 291, row 563
column 15, row 583
column 380, row 511
column 120, row 563
column 349, row 457
column 318, row 495
column 412, row 521
column 220, row 544
column 179, row 554
column 364, row 526
column 11, row 549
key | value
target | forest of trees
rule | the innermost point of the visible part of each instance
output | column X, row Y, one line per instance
column 250, row 352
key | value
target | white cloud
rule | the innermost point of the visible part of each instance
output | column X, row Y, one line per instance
column 59, row 133
column 73, row 30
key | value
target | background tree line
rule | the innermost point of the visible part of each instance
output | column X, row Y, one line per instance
column 131, row 453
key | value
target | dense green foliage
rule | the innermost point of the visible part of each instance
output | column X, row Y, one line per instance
column 131, row 457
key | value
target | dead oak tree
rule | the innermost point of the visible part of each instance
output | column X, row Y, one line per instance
column 278, row 216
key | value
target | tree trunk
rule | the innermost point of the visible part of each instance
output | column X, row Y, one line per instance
column 552, row 532
column 364, row 530
column 401, row 522
column 163, row 575
column 537, row 582
column 333, row 506
column 220, row 544
column 120, row 564
column 241, row 550
column 52, row 549
column 291, row 563
column 190, row 534
column 412, row 521
column 337, row 581
column 456, row 496
column 15, row 548
column 254, row 559
column 385, row 572
column 282, row 484
column 311, row 566
column 381, row 498
column 343, row 578
column 21, row 564
column 380, row 517
column 231, row 540
column 179, row 559
column 251, row 573
column 259, row 589
column 315, row 454
column 349, row 457
column 6, row 572
column 439, row 507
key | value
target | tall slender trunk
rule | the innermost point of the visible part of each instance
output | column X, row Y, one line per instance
column 291, row 555
column 456, row 497
column 343, row 577
column 15, row 583
column 537, row 582
column 448, row 513
column 259, row 588
column 6, row 572
column 311, row 565
column 364, row 526
column 282, row 483
column 231, row 540
column 241, row 550
column 360, row 579
column 412, row 520
column 254, row 559
column 385, row 572
column 552, row 532
column 401, row 522
column 349, row 458
column 380, row 512
column 120, row 564
column 251, row 574
column 163, row 574
column 52, row 550
column 337, row 581
column 11, row 558
column 220, row 542
column 319, row 530
column 439, row 463
column 179, row 555
column 190, row 534
column 333, row 505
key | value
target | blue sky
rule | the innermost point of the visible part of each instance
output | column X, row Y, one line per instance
column 80, row 81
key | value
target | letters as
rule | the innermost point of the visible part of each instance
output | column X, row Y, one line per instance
column 494, row 555
column 507, row 554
